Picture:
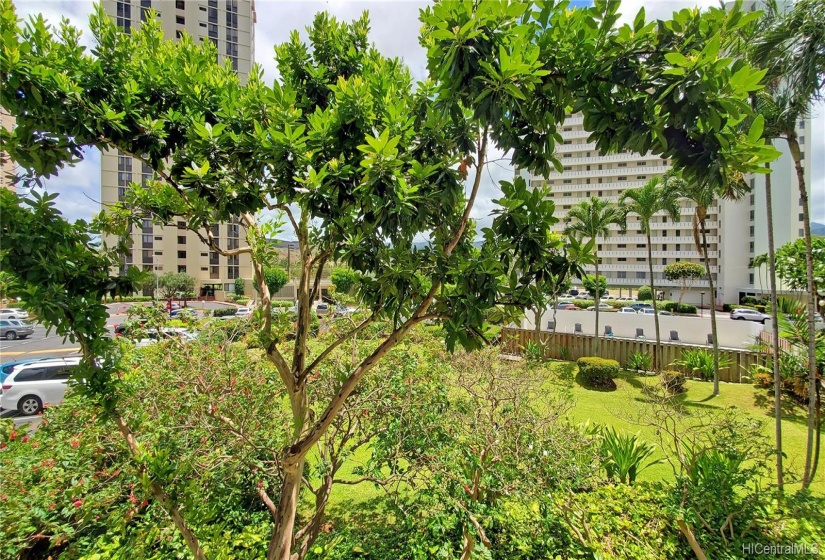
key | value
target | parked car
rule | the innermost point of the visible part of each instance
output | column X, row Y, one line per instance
column 602, row 307
column 244, row 312
column 568, row 305
column 29, row 386
column 638, row 306
column 153, row 336
column 819, row 322
column 7, row 368
column 322, row 309
column 12, row 328
column 14, row 314
column 185, row 312
column 650, row 312
column 628, row 309
column 744, row 314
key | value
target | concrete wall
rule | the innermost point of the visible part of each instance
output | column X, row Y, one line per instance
column 692, row 330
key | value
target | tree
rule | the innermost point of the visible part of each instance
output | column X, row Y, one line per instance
column 343, row 279
column 592, row 219
column 275, row 278
column 360, row 161
column 684, row 272
column 791, row 45
column 589, row 283
column 791, row 266
column 239, row 286
column 644, row 293
column 659, row 195
column 172, row 283
column 149, row 282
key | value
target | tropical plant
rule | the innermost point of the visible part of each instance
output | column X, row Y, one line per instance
column 659, row 195
column 684, row 272
column 790, row 45
column 591, row 219
column 624, row 456
column 596, row 286
column 640, row 361
column 701, row 363
column 173, row 283
column 275, row 278
column 359, row 161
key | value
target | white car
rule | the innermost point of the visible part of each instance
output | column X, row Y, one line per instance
column 244, row 312
column 29, row 386
column 650, row 312
column 602, row 307
column 627, row 310
column 14, row 314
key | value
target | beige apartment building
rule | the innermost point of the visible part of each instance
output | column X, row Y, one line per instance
column 7, row 167
column 733, row 227
column 230, row 26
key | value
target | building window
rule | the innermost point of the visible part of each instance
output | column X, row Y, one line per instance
column 622, row 178
column 181, row 240
column 204, row 254
column 567, row 168
column 213, row 257
column 565, row 155
column 202, row 24
column 678, row 246
column 753, row 196
column 124, row 163
column 123, row 178
column 204, row 268
column 678, row 233
column 642, row 163
column 121, row 193
column 233, row 268
column 567, row 181
column 664, row 247
column 623, row 165
column 179, row 34
column 566, row 142
column 801, row 140
column 801, row 233
column 641, row 275
column 664, row 261
column 752, row 231
column 752, row 215
column 751, row 246
column 622, row 259
column 180, row 4
column 640, row 245
column 641, row 176
column 801, row 216
column 621, row 245
column 181, row 254
column 621, row 274
column 180, row 20
column 181, row 268
column 147, row 240
column 214, row 272
column 802, row 125
column 158, row 238
column 641, row 259
column 750, row 278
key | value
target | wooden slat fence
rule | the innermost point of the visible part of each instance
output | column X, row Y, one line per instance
column 766, row 339
column 568, row 346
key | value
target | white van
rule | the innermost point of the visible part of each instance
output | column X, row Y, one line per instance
column 29, row 386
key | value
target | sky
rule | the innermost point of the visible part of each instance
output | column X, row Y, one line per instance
column 394, row 30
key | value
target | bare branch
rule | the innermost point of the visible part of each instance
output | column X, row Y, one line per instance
column 338, row 342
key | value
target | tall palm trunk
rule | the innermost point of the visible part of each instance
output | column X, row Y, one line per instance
column 657, row 350
column 598, row 300
column 702, row 217
column 793, row 145
column 777, row 378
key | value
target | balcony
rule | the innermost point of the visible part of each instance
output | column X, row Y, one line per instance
column 634, row 267
column 689, row 253
column 596, row 158
column 628, row 171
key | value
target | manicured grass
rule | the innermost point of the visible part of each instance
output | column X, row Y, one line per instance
column 625, row 409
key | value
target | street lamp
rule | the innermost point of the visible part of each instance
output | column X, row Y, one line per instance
column 289, row 248
column 155, row 272
column 702, row 305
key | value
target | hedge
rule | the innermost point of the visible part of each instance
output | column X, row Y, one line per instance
column 282, row 303
column 675, row 307
column 229, row 311
column 597, row 371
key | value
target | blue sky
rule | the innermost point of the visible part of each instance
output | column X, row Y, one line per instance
column 395, row 28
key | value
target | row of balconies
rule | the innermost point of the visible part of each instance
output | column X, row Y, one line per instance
column 638, row 267
column 619, row 171
column 689, row 253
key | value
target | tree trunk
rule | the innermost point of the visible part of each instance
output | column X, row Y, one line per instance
column 597, row 349
column 793, row 144
column 281, row 543
column 657, row 349
column 539, row 315
column 712, row 308
column 777, row 378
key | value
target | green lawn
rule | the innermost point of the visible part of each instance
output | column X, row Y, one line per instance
column 624, row 409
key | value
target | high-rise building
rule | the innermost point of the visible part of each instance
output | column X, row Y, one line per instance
column 229, row 25
column 623, row 256
column 7, row 167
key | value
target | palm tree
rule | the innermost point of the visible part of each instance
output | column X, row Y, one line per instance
column 703, row 194
column 792, row 45
column 657, row 195
column 592, row 219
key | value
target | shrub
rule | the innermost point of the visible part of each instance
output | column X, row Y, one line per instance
column 640, row 361
column 282, row 303
column 226, row 312
column 673, row 381
column 343, row 279
column 685, row 308
column 750, row 300
column 762, row 379
column 533, row 352
column 240, row 286
column 644, row 293
column 598, row 371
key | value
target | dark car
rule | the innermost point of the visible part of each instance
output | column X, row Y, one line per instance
column 638, row 306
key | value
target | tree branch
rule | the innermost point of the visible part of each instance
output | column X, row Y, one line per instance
column 338, row 342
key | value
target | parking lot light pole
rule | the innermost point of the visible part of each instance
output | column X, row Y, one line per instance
column 702, row 305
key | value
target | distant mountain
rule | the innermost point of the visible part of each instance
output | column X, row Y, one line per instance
column 817, row 229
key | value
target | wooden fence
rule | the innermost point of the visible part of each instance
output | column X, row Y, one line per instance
column 567, row 346
column 766, row 339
